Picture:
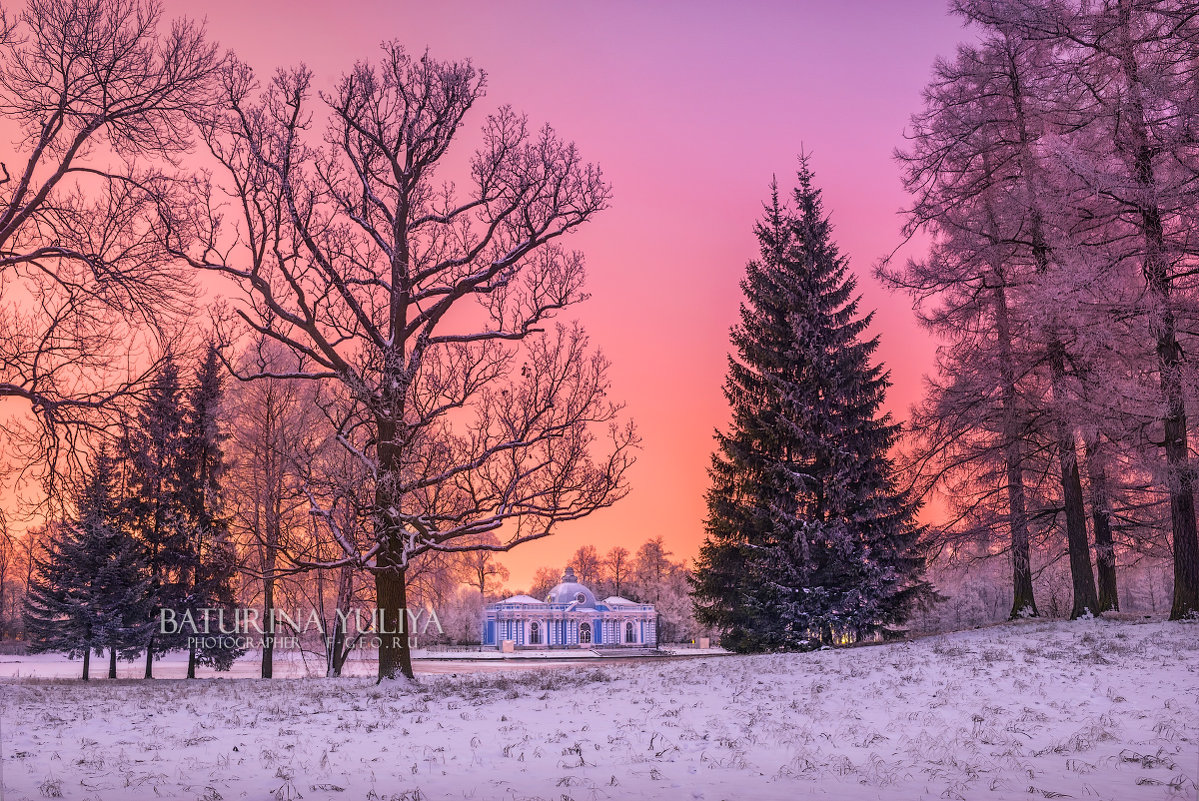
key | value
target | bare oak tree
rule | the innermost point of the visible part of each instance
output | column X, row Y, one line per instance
column 429, row 309
column 97, row 95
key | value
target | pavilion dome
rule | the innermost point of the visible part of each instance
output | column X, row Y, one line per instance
column 570, row 591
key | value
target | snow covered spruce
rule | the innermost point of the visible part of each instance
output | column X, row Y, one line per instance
column 811, row 540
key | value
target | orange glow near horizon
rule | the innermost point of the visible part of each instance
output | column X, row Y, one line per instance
column 690, row 109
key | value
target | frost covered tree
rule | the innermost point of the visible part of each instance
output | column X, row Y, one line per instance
column 588, row 566
column 1141, row 157
column 996, row 288
column 809, row 538
column 427, row 306
column 616, row 568
column 88, row 592
column 651, row 569
column 1055, row 165
column 653, row 577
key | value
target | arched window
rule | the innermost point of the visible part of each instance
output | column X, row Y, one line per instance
column 534, row 633
column 585, row 632
column 629, row 635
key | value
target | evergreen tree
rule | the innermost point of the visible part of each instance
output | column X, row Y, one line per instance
column 88, row 592
column 808, row 538
column 210, row 552
column 156, row 502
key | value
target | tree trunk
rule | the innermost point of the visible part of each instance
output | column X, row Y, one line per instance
column 1083, row 579
column 87, row 661
column 1086, row 600
column 112, row 663
column 1182, row 498
column 198, row 546
column 150, row 658
column 1023, row 602
column 268, row 641
column 391, row 601
column 1105, row 551
column 338, row 651
column 333, row 652
column 395, row 657
column 1180, row 483
column 270, row 553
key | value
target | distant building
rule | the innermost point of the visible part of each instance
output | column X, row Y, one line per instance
column 569, row 617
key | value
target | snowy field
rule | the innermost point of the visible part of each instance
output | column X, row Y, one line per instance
column 1090, row 709
column 295, row 664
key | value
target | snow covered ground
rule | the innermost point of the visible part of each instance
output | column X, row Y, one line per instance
column 1090, row 709
column 297, row 664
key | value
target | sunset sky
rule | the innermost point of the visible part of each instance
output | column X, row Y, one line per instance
column 689, row 108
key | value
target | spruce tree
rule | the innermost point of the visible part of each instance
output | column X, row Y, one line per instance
column 88, row 593
column 210, row 552
column 809, row 539
column 157, row 505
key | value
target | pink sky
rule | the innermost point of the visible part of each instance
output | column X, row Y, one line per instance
column 690, row 108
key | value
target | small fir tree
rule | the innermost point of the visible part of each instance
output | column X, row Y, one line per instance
column 88, row 592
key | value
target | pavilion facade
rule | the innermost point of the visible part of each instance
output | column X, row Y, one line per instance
column 569, row 617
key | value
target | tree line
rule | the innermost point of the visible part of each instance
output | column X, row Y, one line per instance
column 206, row 502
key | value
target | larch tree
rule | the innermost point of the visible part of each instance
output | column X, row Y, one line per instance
column 809, row 537
column 981, row 189
column 430, row 309
column 1134, row 149
column 1022, row 67
column 1147, row 50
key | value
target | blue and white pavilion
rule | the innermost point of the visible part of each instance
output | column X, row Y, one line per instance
column 569, row 617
